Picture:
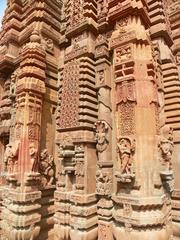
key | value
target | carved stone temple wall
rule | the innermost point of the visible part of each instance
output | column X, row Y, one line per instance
column 90, row 120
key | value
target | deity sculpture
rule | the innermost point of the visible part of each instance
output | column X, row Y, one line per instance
column 101, row 135
column 166, row 147
column 33, row 152
column 47, row 168
column 125, row 149
column 11, row 157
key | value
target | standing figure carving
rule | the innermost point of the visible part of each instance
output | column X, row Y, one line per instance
column 166, row 147
column 33, row 152
column 101, row 135
column 125, row 149
column 47, row 168
column 11, row 157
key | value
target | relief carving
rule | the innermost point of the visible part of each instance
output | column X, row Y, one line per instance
column 48, row 44
column 126, row 151
column 100, row 77
column 126, row 115
column 11, row 157
column 101, row 135
column 69, row 110
column 47, row 168
column 103, row 182
column 125, row 92
column 166, row 147
column 33, row 153
column 165, row 155
column 79, row 172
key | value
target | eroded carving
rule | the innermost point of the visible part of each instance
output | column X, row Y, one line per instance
column 101, row 135
column 126, row 151
column 47, row 168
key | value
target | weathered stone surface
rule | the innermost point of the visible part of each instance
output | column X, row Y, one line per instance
column 89, row 120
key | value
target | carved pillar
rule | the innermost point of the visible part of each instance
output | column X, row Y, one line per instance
column 141, row 201
column 76, row 215
column 21, row 216
column 103, row 136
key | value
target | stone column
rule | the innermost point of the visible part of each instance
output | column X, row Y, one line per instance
column 21, row 196
column 103, row 136
column 141, row 195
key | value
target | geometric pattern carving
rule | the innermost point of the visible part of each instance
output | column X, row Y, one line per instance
column 69, row 112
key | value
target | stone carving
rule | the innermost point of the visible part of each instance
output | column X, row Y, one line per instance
column 101, row 135
column 166, row 147
column 126, row 115
column 33, row 153
column 13, row 86
column 46, row 168
column 165, row 155
column 69, row 112
column 79, row 172
column 101, row 77
column 103, row 182
column 76, row 13
column 123, row 54
column 121, row 24
column 125, row 150
column 92, row 62
column 178, row 58
column 49, row 45
column 125, row 92
column 11, row 157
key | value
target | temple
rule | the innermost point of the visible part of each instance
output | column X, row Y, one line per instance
column 90, row 120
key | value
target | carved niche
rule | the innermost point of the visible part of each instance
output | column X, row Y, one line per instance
column 11, row 157
column 79, row 167
column 123, row 54
column 101, row 135
column 33, row 153
column 104, row 181
column 46, row 168
column 126, row 151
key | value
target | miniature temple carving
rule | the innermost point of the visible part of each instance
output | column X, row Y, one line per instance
column 89, row 120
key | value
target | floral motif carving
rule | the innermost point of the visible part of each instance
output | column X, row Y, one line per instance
column 77, row 12
column 126, row 118
column 69, row 111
